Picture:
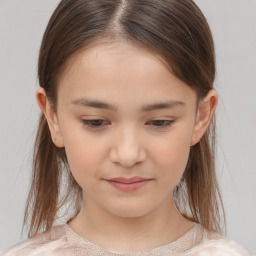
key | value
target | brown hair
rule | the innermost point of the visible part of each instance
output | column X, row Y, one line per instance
column 175, row 30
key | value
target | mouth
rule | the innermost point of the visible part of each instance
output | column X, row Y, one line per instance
column 128, row 184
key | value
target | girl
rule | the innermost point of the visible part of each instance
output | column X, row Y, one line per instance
column 125, row 142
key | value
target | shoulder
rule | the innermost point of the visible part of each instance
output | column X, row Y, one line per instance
column 215, row 244
column 222, row 247
column 42, row 244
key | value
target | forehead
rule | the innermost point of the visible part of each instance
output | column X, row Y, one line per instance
column 112, row 70
column 104, row 55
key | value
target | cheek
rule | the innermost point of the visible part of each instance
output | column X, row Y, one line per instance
column 81, row 164
column 172, row 157
column 85, row 155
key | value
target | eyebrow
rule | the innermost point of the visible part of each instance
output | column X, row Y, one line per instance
column 146, row 108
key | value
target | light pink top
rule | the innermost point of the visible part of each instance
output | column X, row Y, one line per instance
column 62, row 240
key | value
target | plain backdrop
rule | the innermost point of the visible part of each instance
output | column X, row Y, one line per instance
column 233, row 24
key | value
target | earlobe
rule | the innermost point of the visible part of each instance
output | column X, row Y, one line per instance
column 204, row 115
column 50, row 116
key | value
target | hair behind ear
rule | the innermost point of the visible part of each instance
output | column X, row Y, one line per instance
column 202, row 190
column 44, row 200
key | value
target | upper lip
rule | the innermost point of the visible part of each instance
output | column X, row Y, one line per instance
column 128, row 180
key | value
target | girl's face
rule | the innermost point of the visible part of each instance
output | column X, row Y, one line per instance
column 121, row 113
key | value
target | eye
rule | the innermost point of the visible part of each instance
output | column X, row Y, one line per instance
column 98, row 123
column 161, row 123
column 94, row 123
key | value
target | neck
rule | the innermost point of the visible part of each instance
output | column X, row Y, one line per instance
column 161, row 226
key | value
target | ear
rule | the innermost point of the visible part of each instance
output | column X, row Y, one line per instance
column 206, row 109
column 51, row 117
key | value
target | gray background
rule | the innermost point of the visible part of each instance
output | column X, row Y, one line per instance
column 233, row 23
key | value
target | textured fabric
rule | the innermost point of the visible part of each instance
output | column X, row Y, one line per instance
column 62, row 240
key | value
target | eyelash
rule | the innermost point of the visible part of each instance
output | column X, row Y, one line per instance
column 90, row 122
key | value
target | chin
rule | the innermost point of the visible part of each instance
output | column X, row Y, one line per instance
column 130, row 210
column 129, row 214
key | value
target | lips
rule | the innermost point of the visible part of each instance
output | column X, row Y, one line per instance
column 128, row 180
column 128, row 184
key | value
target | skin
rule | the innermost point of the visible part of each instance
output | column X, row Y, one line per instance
column 129, row 143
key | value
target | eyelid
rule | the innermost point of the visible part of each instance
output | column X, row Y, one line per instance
column 88, row 123
column 169, row 123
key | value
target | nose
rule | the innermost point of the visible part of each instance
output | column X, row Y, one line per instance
column 127, row 149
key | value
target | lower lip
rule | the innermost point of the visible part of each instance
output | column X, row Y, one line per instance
column 128, row 187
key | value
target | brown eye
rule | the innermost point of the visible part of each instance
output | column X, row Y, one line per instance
column 95, row 123
column 161, row 123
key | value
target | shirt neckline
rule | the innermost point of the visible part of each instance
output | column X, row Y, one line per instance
column 181, row 243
